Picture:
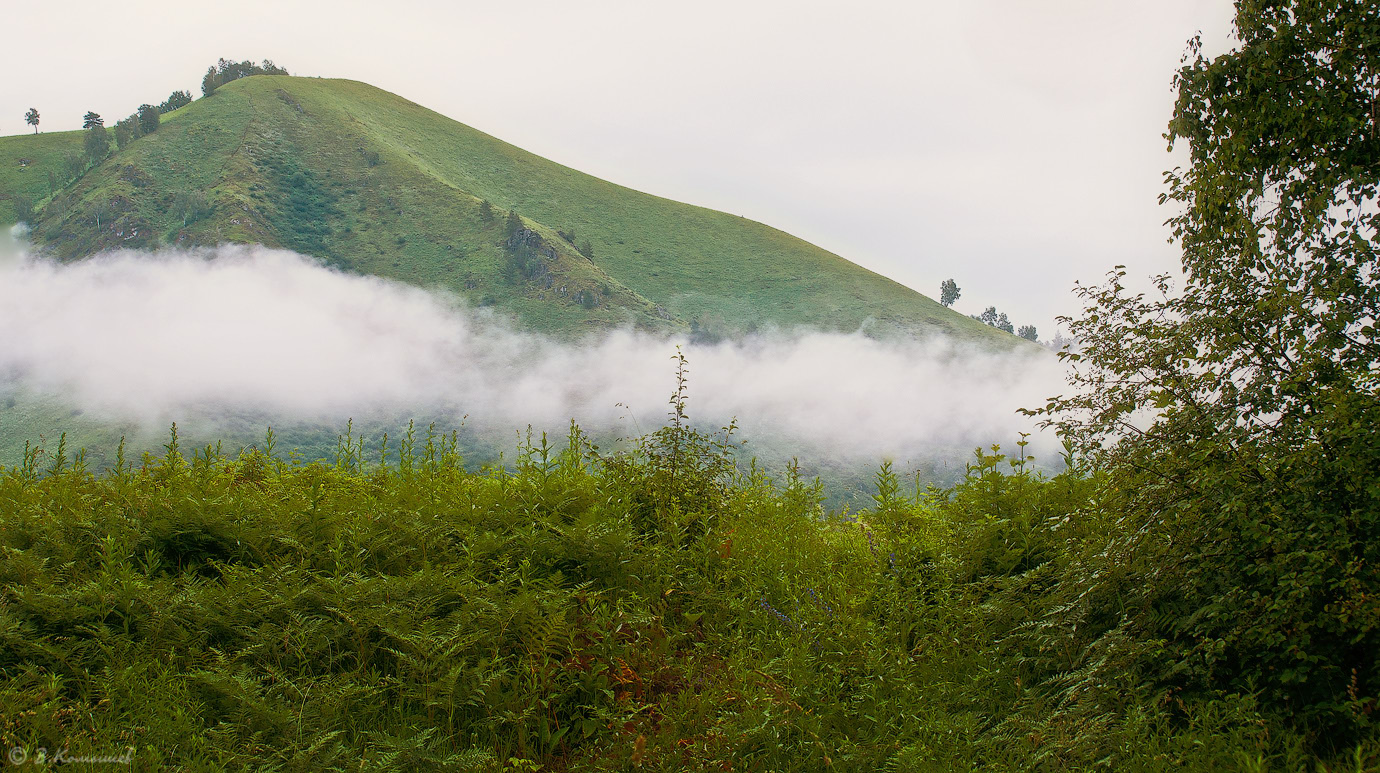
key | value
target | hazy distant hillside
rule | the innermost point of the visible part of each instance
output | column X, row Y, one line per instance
column 377, row 184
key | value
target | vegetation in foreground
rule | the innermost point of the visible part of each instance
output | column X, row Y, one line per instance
column 657, row 610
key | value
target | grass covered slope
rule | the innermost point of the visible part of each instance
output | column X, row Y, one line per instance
column 252, row 164
column 377, row 184
column 699, row 263
column 26, row 160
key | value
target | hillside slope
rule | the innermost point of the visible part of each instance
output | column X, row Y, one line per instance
column 26, row 163
column 376, row 184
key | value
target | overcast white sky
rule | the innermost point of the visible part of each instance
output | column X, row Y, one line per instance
column 1013, row 145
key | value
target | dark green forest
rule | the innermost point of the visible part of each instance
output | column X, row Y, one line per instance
column 1198, row 589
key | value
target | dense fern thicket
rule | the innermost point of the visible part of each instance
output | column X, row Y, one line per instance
column 662, row 609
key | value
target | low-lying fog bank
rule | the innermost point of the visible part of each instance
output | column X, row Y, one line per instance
column 144, row 339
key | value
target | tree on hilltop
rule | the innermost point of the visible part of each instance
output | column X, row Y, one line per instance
column 31, row 118
column 991, row 317
column 148, row 119
column 226, row 70
column 1028, row 333
column 126, row 131
column 949, row 292
column 97, row 143
column 175, row 100
column 92, row 119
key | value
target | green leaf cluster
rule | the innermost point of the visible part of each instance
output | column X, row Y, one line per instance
column 1235, row 412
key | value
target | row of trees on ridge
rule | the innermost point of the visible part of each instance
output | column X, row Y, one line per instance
column 226, row 70
column 949, row 292
column 146, row 120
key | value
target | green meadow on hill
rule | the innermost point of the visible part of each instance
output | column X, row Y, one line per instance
column 25, row 164
column 375, row 184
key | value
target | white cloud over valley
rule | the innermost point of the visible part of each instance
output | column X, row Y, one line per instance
column 151, row 338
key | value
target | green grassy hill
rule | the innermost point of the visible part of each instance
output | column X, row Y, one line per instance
column 26, row 160
column 376, row 184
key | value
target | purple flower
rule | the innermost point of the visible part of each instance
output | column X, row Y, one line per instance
column 777, row 612
column 872, row 544
column 820, row 603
